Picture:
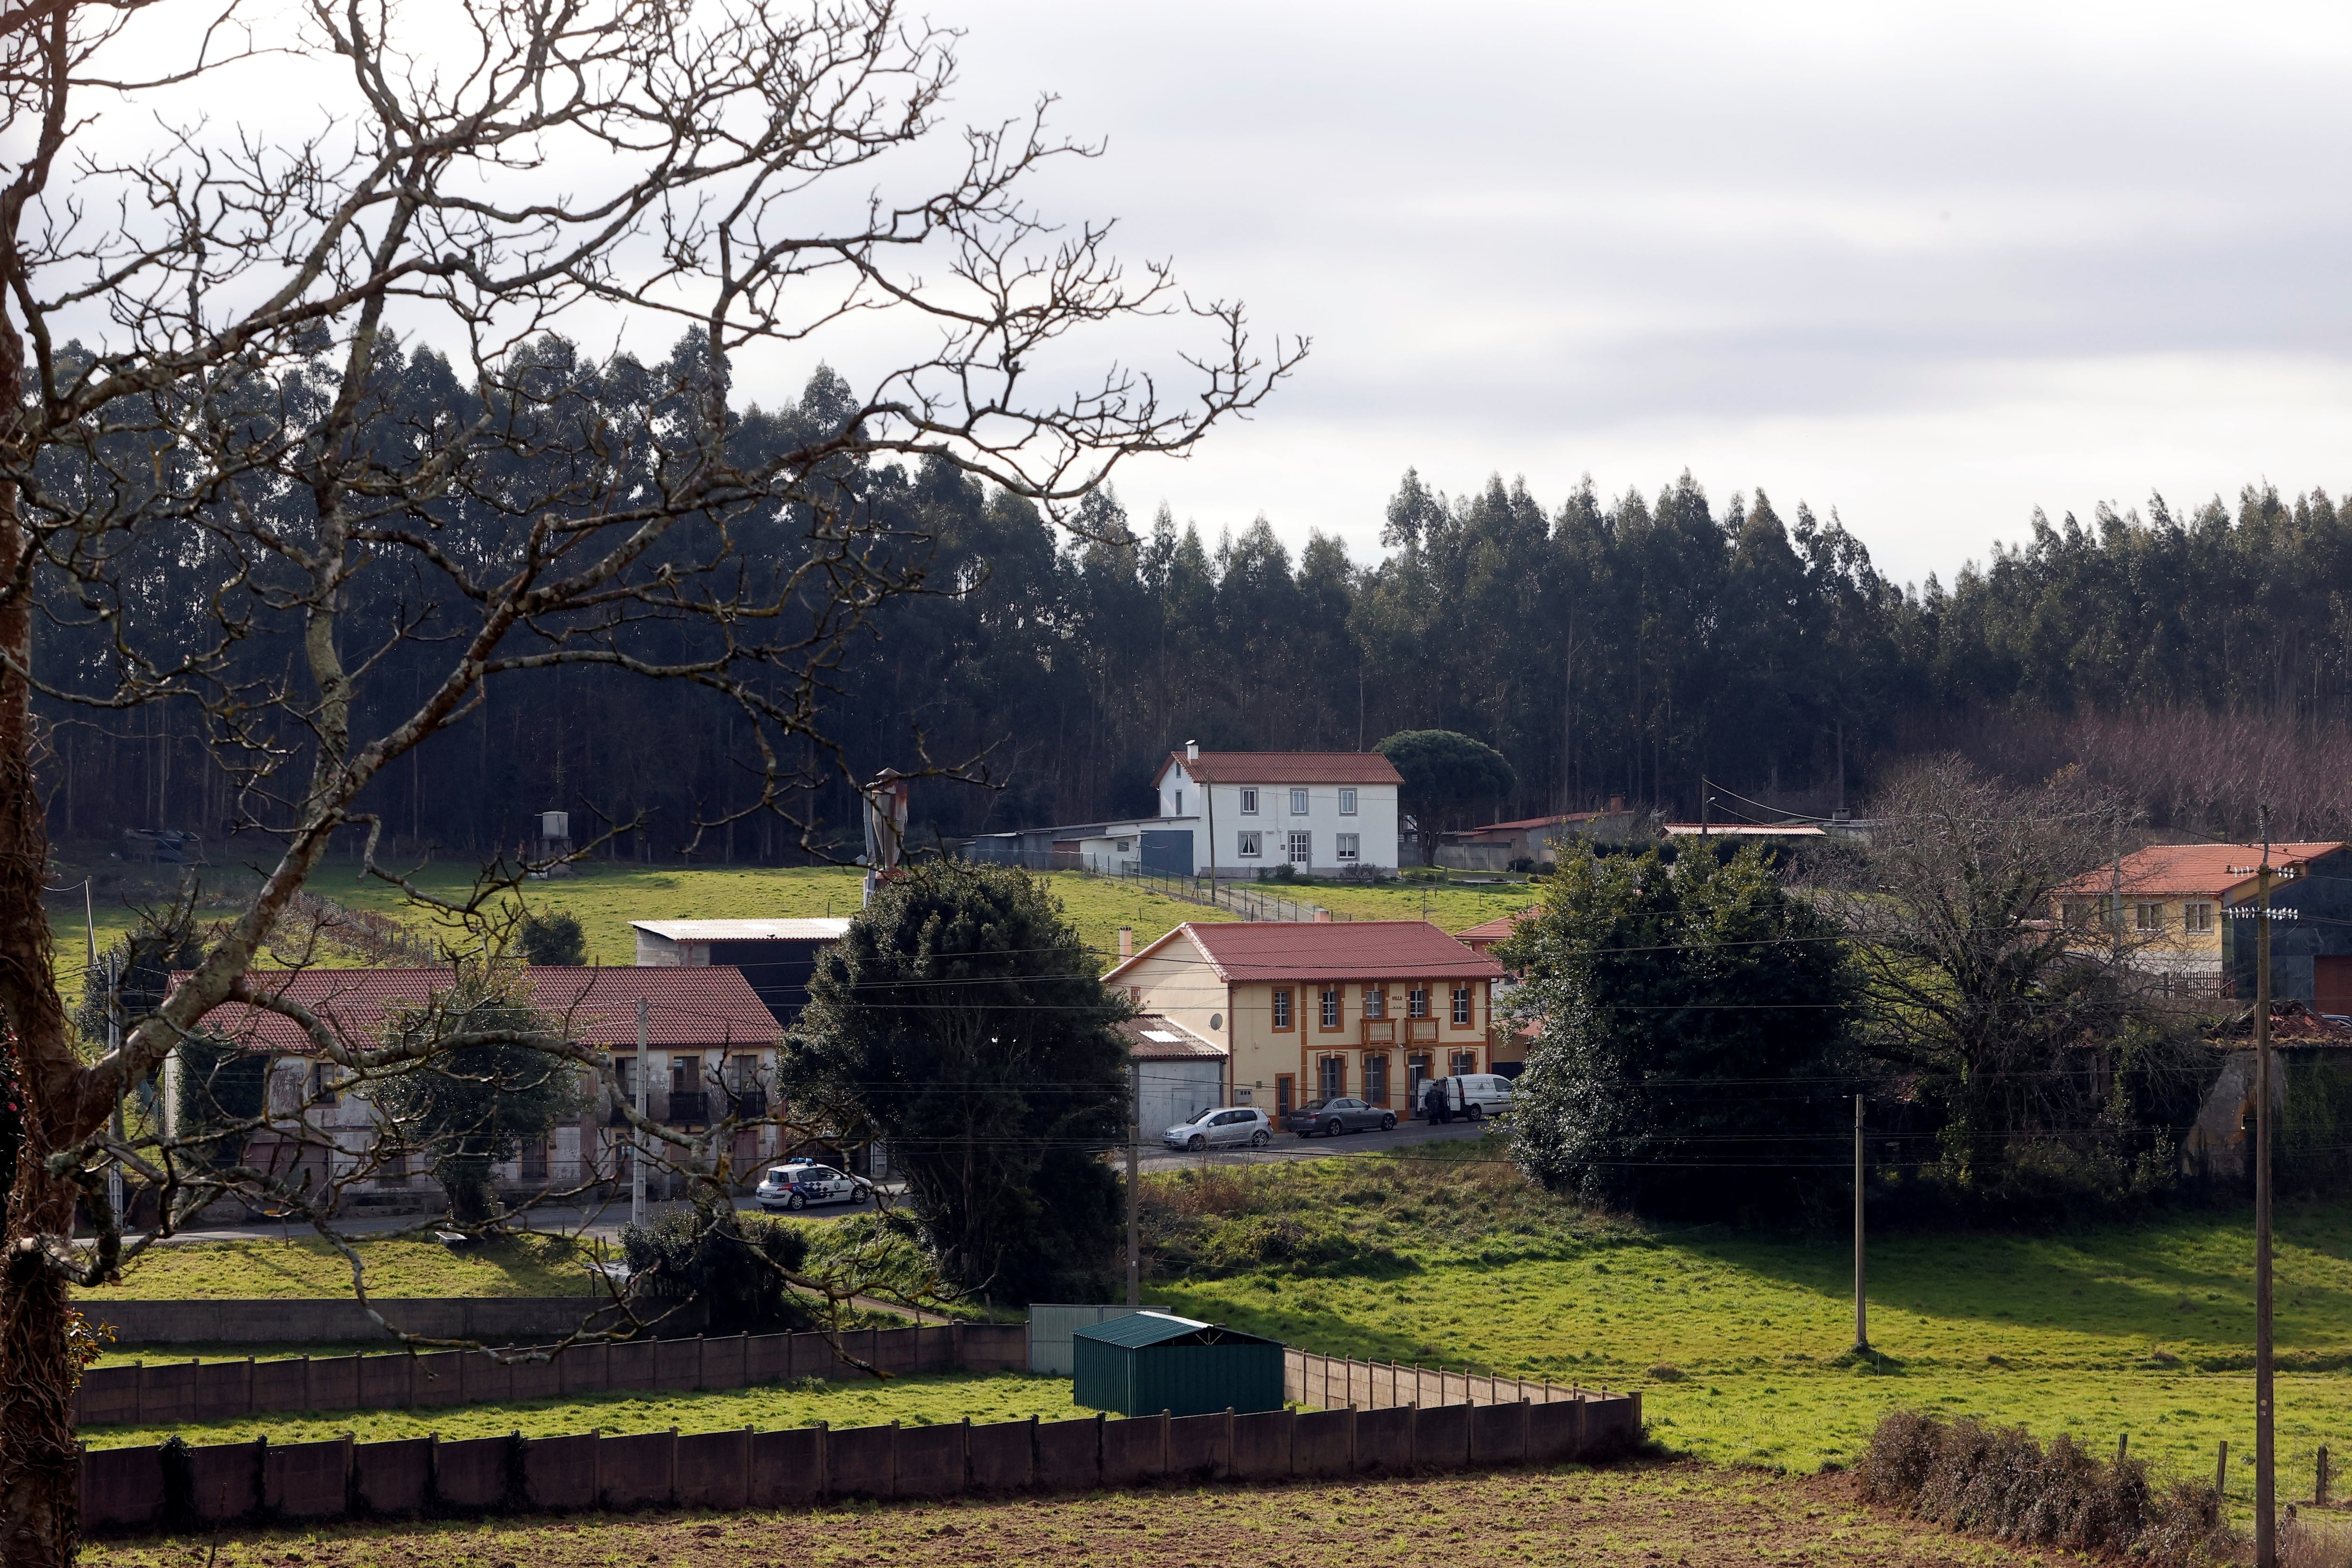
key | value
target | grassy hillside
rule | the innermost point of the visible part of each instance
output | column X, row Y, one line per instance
column 917, row 1401
column 1740, row 1343
column 305, row 1267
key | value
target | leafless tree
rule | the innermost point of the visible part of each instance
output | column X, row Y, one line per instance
column 200, row 352
column 1983, row 988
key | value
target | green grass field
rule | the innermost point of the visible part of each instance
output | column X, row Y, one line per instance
column 917, row 1401
column 607, row 896
column 1740, row 1344
column 306, row 1266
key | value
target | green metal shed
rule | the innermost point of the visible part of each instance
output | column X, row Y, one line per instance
column 1148, row 1362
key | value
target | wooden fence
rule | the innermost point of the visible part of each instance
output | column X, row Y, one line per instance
column 144, row 1394
column 196, row 1491
column 1333, row 1383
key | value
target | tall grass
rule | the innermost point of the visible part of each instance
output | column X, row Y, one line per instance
column 2000, row 1481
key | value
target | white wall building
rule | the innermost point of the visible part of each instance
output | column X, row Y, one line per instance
column 1326, row 813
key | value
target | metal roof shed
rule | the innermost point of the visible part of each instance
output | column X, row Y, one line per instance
column 1148, row 1362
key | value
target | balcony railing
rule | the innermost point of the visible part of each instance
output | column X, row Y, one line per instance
column 688, row 1107
column 746, row 1104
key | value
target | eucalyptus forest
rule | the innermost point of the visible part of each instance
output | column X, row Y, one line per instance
column 1631, row 645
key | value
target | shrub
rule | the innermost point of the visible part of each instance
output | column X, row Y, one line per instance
column 2000, row 1481
column 730, row 1261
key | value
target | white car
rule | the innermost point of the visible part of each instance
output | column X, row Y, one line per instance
column 1222, row 1128
column 802, row 1183
column 1473, row 1096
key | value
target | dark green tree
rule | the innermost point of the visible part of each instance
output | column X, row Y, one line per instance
column 961, row 1020
column 737, row 1264
column 553, row 938
column 481, row 1087
column 1446, row 776
column 1686, row 1009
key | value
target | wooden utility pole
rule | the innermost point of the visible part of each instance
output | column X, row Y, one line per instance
column 1861, row 1307
column 637, row 1144
column 2266, row 1448
column 1135, row 1185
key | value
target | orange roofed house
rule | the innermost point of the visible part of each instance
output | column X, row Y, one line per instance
column 709, row 1040
column 2185, row 910
column 1310, row 1009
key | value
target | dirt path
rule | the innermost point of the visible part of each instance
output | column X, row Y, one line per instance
column 1677, row 1514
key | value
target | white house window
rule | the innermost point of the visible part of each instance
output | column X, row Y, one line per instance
column 1126, row 845
column 1248, row 845
column 1249, row 802
column 1416, row 1002
column 1347, row 802
column 1348, row 843
column 1179, row 805
column 1462, row 1004
column 1302, row 846
column 1298, row 803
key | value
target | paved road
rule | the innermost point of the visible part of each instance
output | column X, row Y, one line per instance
column 606, row 1222
column 1288, row 1146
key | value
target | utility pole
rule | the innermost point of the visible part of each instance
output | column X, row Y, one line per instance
column 1134, row 1186
column 636, row 1143
column 1861, row 1310
column 113, row 1043
column 2266, row 1449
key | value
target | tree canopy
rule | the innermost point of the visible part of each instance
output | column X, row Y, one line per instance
column 1446, row 776
column 961, row 1020
column 1687, row 1014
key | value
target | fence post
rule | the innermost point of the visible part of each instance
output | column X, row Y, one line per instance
column 2221, row 1470
column 1033, row 1450
column 1165, row 1417
column 139, row 1392
column 2122, row 1447
column 825, row 1459
column 1412, row 1429
column 1226, row 1473
column 2319, row 1497
column 673, row 1467
column 967, row 1455
column 894, row 1458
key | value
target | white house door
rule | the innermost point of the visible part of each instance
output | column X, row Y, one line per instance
column 1302, row 846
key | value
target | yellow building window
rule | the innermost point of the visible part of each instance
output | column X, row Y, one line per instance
column 2148, row 917
column 2196, row 917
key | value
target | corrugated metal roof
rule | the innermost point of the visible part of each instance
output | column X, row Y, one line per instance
column 1244, row 950
column 1743, row 830
column 687, row 1007
column 1139, row 1328
column 1284, row 768
column 1154, row 1038
column 811, row 929
column 2211, row 869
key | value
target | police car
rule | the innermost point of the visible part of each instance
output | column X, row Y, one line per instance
column 804, row 1181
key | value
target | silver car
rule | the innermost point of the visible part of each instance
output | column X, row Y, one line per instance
column 1222, row 1128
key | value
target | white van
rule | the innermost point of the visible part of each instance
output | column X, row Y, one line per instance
column 1473, row 1096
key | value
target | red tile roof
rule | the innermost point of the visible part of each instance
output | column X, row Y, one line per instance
column 2211, row 869
column 1284, row 768
column 1243, row 950
column 686, row 1007
column 1499, row 929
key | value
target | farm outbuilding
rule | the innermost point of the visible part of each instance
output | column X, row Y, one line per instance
column 1148, row 1362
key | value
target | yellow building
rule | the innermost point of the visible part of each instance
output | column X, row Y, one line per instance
column 2174, row 898
column 1310, row 1009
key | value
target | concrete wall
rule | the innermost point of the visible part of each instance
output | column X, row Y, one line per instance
column 328, row 1320
column 144, row 1394
column 144, row 1490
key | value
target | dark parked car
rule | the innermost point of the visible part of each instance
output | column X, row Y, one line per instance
column 1337, row 1115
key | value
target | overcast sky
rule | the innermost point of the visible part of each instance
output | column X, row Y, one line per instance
column 1932, row 267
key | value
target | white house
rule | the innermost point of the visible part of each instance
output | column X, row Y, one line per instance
column 1326, row 813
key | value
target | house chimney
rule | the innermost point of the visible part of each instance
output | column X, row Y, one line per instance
column 1192, row 751
column 1127, row 942
column 1323, row 917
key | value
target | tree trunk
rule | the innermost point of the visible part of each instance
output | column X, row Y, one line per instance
column 40, row 1516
